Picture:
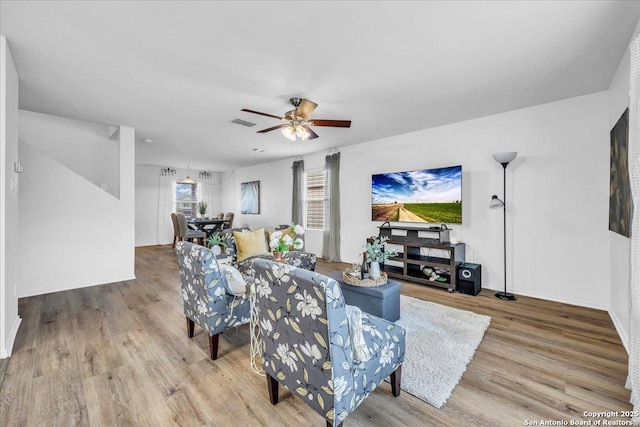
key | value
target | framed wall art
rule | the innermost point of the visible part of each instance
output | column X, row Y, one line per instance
column 620, row 202
column 250, row 197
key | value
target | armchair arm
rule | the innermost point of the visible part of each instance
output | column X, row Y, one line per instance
column 306, row 260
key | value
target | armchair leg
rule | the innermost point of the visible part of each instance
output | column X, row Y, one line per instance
column 213, row 346
column 189, row 327
column 395, row 379
column 272, row 384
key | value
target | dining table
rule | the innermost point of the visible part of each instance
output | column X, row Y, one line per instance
column 208, row 225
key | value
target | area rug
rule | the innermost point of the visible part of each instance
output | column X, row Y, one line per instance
column 440, row 343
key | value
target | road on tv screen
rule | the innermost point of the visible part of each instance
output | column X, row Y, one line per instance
column 450, row 213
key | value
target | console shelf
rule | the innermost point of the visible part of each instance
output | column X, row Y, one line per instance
column 414, row 256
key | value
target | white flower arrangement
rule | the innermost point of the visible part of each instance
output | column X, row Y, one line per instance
column 281, row 242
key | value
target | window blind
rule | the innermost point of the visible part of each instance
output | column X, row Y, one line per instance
column 315, row 199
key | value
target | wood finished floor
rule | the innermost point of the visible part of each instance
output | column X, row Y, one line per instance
column 118, row 354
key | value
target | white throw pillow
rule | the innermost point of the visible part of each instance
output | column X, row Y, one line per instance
column 359, row 348
column 234, row 283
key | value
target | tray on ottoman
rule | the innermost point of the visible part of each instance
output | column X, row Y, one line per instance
column 382, row 301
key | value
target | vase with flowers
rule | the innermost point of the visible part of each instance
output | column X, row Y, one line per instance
column 375, row 253
column 285, row 240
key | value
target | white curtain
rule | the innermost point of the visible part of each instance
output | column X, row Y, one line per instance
column 166, row 192
column 207, row 191
column 331, row 236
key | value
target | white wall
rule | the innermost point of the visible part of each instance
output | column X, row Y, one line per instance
column 275, row 193
column 557, row 189
column 9, row 200
column 78, row 235
column 619, row 246
column 276, row 183
column 83, row 147
column 153, row 225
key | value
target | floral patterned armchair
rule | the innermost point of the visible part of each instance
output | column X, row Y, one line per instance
column 205, row 299
column 306, row 260
column 307, row 342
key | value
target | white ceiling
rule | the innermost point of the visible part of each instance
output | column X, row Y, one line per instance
column 179, row 72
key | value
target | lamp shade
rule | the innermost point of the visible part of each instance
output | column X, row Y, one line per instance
column 505, row 156
column 495, row 202
column 188, row 180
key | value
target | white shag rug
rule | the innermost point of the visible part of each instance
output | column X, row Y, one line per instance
column 440, row 343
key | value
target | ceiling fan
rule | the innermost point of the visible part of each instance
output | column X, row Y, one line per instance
column 297, row 123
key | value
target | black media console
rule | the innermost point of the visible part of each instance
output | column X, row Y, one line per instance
column 425, row 255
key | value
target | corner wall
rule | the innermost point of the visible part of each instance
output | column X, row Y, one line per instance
column 85, row 148
column 557, row 188
column 620, row 246
column 9, row 200
column 78, row 235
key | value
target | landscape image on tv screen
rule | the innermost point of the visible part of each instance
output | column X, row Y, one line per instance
column 428, row 195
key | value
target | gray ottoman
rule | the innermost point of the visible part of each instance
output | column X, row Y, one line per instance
column 382, row 301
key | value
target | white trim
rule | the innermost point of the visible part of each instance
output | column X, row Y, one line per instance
column 552, row 298
column 624, row 337
column 6, row 352
column 68, row 287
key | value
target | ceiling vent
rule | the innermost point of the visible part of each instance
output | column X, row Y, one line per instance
column 243, row 122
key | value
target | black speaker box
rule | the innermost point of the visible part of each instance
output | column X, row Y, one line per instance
column 469, row 278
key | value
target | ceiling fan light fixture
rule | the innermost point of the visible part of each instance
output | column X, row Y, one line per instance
column 297, row 123
column 289, row 133
column 302, row 132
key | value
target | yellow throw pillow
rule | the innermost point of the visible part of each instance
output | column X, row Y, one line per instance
column 250, row 243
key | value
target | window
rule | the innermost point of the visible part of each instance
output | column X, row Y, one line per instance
column 187, row 198
column 315, row 199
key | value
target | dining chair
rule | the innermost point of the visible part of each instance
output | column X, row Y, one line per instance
column 228, row 220
column 187, row 233
column 176, row 229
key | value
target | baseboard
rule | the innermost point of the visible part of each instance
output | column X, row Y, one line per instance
column 553, row 298
column 11, row 338
column 622, row 333
column 67, row 287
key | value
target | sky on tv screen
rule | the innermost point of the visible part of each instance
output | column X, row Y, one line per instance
column 426, row 186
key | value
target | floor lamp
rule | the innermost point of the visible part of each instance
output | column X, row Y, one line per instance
column 504, row 159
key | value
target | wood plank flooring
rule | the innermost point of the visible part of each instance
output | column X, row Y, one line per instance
column 118, row 355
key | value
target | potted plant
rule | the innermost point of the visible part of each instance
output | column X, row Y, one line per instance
column 281, row 242
column 202, row 208
column 377, row 253
column 216, row 242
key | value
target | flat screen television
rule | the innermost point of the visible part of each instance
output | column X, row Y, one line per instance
column 427, row 195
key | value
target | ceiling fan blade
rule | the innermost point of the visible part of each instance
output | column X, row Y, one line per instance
column 272, row 128
column 332, row 123
column 262, row 114
column 305, row 108
column 312, row 134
